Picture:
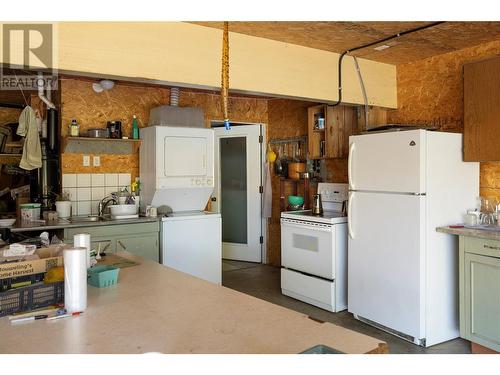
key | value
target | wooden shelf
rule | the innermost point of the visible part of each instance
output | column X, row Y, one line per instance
column 81, row 145
column 299, row 180
column 10, row 158
column 283, row 201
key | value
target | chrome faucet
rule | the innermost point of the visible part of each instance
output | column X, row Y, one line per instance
column 103, row 204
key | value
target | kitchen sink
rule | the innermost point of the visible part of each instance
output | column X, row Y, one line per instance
column 85, row 219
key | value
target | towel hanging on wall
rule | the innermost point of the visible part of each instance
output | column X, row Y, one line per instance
column 32, row 151
column 267, row 199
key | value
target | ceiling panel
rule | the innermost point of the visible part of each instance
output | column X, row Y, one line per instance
column 341, row 36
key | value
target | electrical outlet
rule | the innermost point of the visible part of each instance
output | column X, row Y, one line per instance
column 97, row 161
column 86, row 160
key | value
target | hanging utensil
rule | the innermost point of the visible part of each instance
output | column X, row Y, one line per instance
column 285, row 160
column 278, row 168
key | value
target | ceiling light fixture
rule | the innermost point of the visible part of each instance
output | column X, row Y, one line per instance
column 103, row 85
column 382, row 47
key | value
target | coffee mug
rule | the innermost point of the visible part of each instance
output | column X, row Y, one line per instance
column 153, row 212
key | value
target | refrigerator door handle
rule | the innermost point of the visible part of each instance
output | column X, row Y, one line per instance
column 349, row 165
column 349, row 217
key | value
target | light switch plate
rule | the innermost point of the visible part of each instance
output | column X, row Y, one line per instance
column 97, row 161
column 86, row 160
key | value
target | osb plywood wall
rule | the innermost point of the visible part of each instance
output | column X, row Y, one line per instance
column 9, row 115
column 93, row 110
column 288, row 118
column 430, row 92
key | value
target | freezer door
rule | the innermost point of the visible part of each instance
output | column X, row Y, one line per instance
column 386, row 275
column 388, row 162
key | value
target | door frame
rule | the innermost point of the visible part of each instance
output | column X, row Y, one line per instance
column 263, row 133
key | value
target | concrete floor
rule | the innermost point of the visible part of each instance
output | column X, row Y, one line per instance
column 263, row 282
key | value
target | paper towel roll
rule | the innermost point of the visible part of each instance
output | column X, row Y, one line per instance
column 75, row 279
column 83, row 240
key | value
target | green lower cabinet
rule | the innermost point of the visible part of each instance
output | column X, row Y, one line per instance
column 480, row 293
column 140, row 239
column 145, row 246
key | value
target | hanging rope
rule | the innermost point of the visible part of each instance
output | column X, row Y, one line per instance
column 225, row 76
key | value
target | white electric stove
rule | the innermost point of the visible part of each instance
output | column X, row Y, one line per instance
column 314, row 251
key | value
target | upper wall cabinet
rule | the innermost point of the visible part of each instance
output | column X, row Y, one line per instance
column 377, row 116
column 329, row 129
column 482, row 110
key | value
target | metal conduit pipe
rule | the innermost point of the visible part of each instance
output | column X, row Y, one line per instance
column 174, row 96
column 341, row 57
column 363, row 90
column 41, row 95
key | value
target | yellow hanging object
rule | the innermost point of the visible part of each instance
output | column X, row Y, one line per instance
column 271, row 155
column 225, row 75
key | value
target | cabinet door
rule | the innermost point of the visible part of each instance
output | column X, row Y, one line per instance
column 482, row 300
column 334, row 130
column 482, row 110
column 376, row 117
column 316, row 137
column 145, row 246
column 341, row 122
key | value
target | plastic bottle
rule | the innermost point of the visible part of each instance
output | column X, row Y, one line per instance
column 135, row 128
column 74, row 129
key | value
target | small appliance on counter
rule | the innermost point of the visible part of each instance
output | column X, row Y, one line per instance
column 114, row 129
column 314, row 251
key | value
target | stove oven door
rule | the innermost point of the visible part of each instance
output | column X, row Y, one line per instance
column 308, row 247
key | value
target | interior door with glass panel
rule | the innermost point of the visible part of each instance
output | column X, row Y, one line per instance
column 237, row 197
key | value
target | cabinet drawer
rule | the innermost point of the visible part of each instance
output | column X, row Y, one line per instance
column 114, row 230
column 482, row 246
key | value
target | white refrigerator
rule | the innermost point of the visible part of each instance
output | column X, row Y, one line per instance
column 402, row 274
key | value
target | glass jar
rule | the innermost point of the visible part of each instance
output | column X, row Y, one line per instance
column 74, row 129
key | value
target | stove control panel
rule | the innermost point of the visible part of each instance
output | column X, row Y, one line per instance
column 333, row 192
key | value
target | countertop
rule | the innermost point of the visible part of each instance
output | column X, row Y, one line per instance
column 23, row 226
column 154, row 308
column 471, row 232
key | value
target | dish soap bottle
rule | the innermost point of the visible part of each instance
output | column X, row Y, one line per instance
column 135, row 128
column 135, row 187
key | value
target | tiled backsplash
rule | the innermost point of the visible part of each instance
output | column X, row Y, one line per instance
column 87, row 189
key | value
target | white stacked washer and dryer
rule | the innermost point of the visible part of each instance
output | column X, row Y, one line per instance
column 177, row 176
column 314, row 251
